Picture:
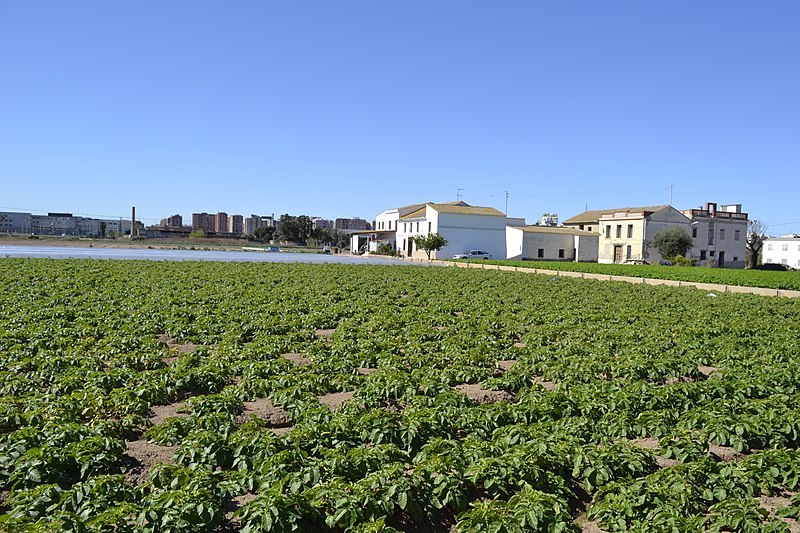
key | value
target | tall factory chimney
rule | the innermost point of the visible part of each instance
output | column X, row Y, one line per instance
column 133, row 220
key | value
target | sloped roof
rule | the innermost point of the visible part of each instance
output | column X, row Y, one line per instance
column 461, row 208
column 594, row 216
column 557, row 230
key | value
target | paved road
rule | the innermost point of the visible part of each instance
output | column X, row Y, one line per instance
column 70, row 252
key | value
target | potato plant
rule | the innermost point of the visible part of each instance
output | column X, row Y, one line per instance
column 339, row 398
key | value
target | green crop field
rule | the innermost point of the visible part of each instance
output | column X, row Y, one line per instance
column 198, row 397
column 723, row 276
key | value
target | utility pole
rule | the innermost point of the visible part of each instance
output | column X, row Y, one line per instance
column 670, row 194
column 506, row 203
column 458, row 194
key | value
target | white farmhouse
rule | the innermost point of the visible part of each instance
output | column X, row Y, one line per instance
column 464, row 226
column 784, row 250
column 545, row 243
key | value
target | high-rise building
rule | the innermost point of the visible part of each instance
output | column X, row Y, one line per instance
column 235, row 224
column 221, row 222
column 204, row 221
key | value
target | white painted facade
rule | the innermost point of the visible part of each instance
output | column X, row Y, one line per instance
column 784, row 250
column 544, row 243
column 468, row 228
column 719, row 235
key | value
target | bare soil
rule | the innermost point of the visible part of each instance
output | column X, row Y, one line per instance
column 296, row 358
column 652, row 444
column 324, row 333
column 506, row 364
column 709, row 371
column 263, row 408
column 588, row 526
column 162, row 412
column 229, row 523
column 520, row 345
column 335, row 399
column 366, row 371
column 549, row 385
column 147, row 455
column 483, row 396
column 175, row 346
column 725, row 453
column 773, row 503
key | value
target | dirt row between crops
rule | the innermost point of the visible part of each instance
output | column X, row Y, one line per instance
column 760, row 291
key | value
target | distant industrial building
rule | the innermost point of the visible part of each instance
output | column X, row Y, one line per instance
column 175, row 221
column 204, row 221
column 349, row 225
column 64, row 224
column 235, row 224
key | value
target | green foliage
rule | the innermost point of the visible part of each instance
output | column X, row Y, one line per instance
column 565, row 376
column 672, row 242
column 430, row 243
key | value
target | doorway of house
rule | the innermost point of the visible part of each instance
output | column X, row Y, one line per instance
column 721, row 260
column 410, row 247
column 617, row 253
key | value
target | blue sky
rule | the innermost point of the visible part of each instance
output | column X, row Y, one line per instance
column 347, row 108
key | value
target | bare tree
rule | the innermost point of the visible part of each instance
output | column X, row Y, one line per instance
column 756, row 235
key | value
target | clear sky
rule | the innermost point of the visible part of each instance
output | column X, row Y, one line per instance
column 345, row 108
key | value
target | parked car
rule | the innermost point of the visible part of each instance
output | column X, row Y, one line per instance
column 473, row 254
column 635, row 262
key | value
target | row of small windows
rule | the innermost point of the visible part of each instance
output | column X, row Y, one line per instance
column 407, row 226
column 618, row 234
column 784, row 247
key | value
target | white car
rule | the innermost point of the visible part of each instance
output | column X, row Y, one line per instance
column 473, row 254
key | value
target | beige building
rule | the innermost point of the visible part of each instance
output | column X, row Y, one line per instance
column 627, row 233
column 719, row 235
column 545, row 243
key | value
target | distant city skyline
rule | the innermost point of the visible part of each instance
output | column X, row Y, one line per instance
column 349, row 108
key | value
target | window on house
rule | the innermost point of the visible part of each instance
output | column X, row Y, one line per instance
column 590, row 228
column 561, row 253
column 405, row 227
column 769, row 247
column 694, row 233
column 769, row 260
column 540, row 253
column 619, row 231
column 735, row 258
column 608, row 231
column 628, row 252
column 736, row 235
column 710, row 235
column 630, row 231
column 711, row 253
column 784, row 261
column 785, row 248
column 390, row 224
column 580, row 226
column 417, row 227
column 429, row 227
column 722, row 234
column 798, row 262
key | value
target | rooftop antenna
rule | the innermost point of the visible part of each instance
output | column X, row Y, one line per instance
column 670, row 194
column 506, row 203
column 458, row 194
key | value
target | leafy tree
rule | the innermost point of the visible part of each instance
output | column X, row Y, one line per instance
column 295, row 229
column 102, row 230
column 756, row 235
column 672, row 242
column 197, row 234
column 430, row 242
column 264, row 233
